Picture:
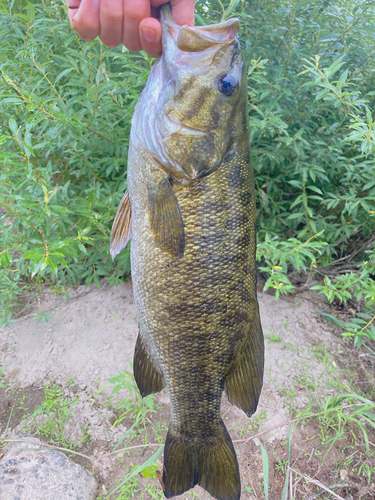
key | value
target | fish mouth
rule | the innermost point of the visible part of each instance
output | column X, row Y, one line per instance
column 233, row 22
column 198, row 38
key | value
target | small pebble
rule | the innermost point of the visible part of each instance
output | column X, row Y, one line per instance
column 343, row 474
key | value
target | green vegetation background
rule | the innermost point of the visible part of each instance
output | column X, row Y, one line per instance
column 65, row 114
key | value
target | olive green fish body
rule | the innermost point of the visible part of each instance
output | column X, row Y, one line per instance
column 192, row 203
column 197, row 313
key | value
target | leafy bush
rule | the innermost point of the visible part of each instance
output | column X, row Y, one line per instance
column 311, row 81
column 65, row 117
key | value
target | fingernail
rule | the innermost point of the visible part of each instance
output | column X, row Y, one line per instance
column 149, row 34
column 95, row 5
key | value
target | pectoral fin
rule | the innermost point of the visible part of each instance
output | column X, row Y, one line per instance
column 245, row 378
column 121, row 228
column 166, row 220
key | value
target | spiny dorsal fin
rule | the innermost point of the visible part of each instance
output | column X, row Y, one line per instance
column 121, row 228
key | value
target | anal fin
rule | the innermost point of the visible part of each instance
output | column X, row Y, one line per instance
column 121, row 228
column 147, row 377
column 244, row 381
column 166, row 220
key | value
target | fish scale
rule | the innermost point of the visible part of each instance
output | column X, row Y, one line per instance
column 191, row 202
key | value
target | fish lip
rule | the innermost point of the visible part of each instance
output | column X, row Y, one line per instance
column 184, row 41
column 166, row 15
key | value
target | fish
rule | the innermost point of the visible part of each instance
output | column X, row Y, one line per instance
column 190, row 213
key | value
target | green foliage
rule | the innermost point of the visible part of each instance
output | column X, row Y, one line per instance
column 65, row 116
column 129, row 484
column 359, row 286
column 275, row 255
column 1, row 376
column 266, row 469
column 57, row 412
column 337, row 417
column 65, row 119
column 311, row 73
column 363, row 325
column 133, row 404
column 338, row 414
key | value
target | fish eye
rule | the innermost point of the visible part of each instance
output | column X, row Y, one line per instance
column 227, row 83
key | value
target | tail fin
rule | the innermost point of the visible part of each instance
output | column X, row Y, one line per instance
column 212, row 465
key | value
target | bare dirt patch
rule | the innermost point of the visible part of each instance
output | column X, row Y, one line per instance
column 90, row 338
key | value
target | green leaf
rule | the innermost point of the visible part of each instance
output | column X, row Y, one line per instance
column 368, row 116
column 13, row 125
column 316, row 189
column 332, row 319
column 321, row 94
column 63, row 73
column 149, row 402
column 30, row 13
column 116, row 389
column 265, row 469
column 82, row 248
column 232, row 5
column 329, row 37
column 127, row 433
column 150, row 471
column 286, row 482
column 369, row 415
column 296, row 216
column 335, row 66
column 199, row 21
column 138, row 470
column 297, row 184
column 343, row 76
column 51, row 263
column 369, row 185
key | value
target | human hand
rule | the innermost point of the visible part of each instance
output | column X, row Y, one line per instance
column 131, row 22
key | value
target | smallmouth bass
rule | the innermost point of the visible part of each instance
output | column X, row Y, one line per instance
column 190, row 211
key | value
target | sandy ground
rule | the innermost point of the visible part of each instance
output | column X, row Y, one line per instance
column 91, row 337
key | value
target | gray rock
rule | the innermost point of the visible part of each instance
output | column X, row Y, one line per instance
column 31, row 471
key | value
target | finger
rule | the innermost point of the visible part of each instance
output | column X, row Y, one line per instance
column 111, row 22
column 134, row 12
column 84, row 17
column 182, row 10
column 73, row 6
column 150, row 36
